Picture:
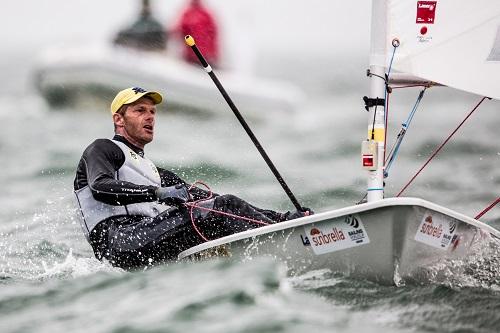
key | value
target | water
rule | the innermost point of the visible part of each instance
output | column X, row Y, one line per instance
column 50, row 282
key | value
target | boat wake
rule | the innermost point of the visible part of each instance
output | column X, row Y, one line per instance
column 450, row 297
column 480, row 269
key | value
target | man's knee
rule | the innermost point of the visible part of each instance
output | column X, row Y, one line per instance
column 226, row 200
column 232, row 204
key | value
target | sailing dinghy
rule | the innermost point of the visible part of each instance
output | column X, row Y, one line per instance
column 444, row 42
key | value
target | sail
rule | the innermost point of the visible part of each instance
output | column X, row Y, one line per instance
column 450, row 42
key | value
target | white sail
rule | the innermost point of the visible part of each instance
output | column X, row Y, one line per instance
column 451, row 42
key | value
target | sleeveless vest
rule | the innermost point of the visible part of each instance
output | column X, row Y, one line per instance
column 135, row 169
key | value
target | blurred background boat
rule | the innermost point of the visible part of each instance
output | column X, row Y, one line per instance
column 140, row 54
column 71, row 76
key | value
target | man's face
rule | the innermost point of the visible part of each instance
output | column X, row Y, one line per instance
column 138, row 121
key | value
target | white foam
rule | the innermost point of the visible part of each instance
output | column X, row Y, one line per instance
column 76, row 267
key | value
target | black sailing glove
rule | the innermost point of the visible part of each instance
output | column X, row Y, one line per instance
column 173, row 195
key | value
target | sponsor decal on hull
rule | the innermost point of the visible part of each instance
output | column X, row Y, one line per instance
column 437, row 231
column 337, row 234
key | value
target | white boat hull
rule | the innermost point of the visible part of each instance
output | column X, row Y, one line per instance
column 391, row 245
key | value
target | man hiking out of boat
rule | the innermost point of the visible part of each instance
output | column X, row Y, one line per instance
column 135, row 214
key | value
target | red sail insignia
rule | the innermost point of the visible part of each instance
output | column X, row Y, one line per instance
column 426, row 11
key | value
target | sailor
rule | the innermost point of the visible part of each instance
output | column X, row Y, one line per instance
column 197, row 20
column 146, row 34
column 136, row 214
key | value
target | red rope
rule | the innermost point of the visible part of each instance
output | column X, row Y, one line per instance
column 440, row 147
column 487, row 209
column 193, row 205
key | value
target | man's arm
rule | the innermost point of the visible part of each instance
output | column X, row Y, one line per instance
column 100, row 162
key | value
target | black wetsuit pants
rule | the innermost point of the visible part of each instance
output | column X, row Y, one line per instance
column 136, row 241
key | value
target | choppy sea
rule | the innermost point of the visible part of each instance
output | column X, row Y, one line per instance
column 50, row 281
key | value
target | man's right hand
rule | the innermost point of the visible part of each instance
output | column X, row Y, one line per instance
column 173, row 195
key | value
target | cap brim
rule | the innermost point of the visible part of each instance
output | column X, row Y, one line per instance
column 155, row 97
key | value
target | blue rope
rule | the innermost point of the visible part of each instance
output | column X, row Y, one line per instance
column 405, row 126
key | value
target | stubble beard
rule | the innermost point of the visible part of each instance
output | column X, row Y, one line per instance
column 138, row 134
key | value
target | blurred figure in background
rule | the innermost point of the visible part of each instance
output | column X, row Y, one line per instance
column 145, row 34
column 197, row 21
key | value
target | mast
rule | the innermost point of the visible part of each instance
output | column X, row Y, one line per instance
column 374, row 146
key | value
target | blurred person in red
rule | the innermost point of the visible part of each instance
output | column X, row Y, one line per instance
column 197, row 21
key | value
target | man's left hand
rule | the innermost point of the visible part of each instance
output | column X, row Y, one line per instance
column 173, row 195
